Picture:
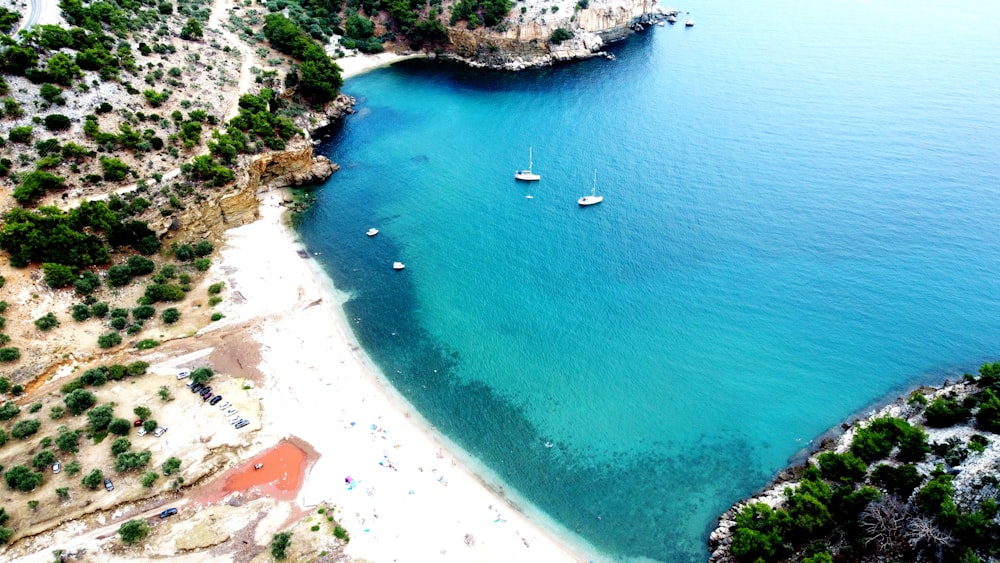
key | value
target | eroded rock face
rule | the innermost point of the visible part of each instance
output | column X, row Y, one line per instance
column 291, row 167
column 526, row 44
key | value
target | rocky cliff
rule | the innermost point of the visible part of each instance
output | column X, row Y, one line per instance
column 294, row 166
column 523, row 40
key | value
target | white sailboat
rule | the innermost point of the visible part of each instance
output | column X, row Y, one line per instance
column 593, row 198
column 527, row 175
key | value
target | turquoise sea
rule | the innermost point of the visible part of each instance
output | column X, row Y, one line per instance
column 801, row 219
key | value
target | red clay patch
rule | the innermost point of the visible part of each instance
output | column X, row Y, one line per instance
column 282, row 470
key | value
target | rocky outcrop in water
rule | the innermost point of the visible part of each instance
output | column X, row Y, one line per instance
column 524, row 42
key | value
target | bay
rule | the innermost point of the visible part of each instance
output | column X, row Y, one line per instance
column 799, row 221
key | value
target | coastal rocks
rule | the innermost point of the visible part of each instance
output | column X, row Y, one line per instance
column 329, row 114
column 526, row 44
column 975, row 472
column 209, row 218
column 291, row 167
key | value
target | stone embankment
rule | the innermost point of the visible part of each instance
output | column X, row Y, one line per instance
column 968, row 475
column 525, row 42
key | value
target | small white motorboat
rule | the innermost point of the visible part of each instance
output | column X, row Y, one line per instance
column 689, row 23
column 372, row 232
column 398, row 265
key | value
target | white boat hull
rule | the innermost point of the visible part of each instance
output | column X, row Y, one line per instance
column 590, row 200
column 526, row 176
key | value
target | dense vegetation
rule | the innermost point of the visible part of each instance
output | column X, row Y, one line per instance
column 879, row 500
column 318, row 77
column 489, row 12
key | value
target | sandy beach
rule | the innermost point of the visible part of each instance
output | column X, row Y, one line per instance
column 398, row 490
column 361, row 63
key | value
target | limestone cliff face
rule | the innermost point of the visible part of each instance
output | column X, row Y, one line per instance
column 524, row 44
column 291, row 167
column 208, row 218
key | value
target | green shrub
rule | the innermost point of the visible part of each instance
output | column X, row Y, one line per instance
column 56, row 412
column 120, row 426
column 202, row 264
column 33, row 187
column 114, row 169
column 99, row 310
column 43, row 459
column 57, row 122
column 988, row 415
column 58, row 275
column 80, row 312
column 130, row 461
column 933, row 497
column 140, row 265
column 79, row 400
column 35, row 407
column 217, row 316
column 149, row 478
column 279, row 545
column 120, row 446
column 9, row 410
column 134, row 531
column 20, row 478
column 46, row 322
column 202, row 375
column 146, row 344
column 119, row 275
column 171, row 315
column 143, row 312
column 93, row 479
column 109, row 340
column 86, row 283
column 843, row 468
column 559, row 35
column 944, row 412
column 68, row 441
column 171, row 466
column 21, row 134
column 24, row 428
column 100, row 417
column 9, row 354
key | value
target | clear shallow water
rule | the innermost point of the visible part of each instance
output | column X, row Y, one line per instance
column 800, row 218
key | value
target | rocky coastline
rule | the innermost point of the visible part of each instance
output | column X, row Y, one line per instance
column 974, row 473
column 527, row 43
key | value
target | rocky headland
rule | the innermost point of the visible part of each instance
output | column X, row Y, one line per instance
column 960, row 455
column 525, row 40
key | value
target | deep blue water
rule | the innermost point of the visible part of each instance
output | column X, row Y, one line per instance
column 800, row 220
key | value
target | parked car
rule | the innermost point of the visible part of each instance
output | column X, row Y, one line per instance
column 191, row 384
column 137, row 423
column 216, row 400
column 168, row 512
column 225, row 405
column 56, row 467
column 159, row 431
column 183, row 374
column 234, row 419
column 141, row 432
column 207, row 397
column 242, row 423
column 197, row 387
column 205, row 390
column 108, row 484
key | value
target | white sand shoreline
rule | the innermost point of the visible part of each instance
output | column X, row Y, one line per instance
column 361, row 63
column 320, row 387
